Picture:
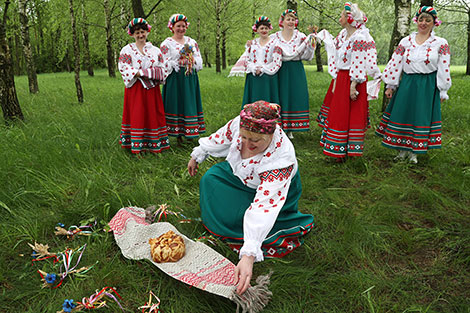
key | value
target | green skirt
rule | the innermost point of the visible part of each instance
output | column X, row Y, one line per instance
column 224, row 200
column 412, row 120
column 183, row 107
column 293, row 97
column 264, row 87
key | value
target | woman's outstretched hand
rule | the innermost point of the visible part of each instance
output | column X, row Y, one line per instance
column 243, row 273
column 192, row 167
column 389, row 93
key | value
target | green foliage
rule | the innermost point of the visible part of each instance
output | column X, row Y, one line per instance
column 388, row 237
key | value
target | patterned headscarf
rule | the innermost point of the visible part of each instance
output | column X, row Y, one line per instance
column 259, row 20
column 260, row 117
column 135, row 21
column 283, row 15
column 355, row 16
column 176, row 18
column 429, row 10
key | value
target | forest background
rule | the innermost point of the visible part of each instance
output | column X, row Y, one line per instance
column 388, row 236
column 221, row 27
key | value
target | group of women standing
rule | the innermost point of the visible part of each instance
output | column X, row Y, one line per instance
column 147, row 118
column 251, row 199
column 418, row 77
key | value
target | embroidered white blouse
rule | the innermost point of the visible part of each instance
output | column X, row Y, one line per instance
column 171, row 54
column 433, row 55
column 132, row 61
column 356, row 54
column 267, row 58
column 269, row 172
column 299, row 47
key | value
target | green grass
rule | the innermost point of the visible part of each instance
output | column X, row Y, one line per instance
column 389, row 237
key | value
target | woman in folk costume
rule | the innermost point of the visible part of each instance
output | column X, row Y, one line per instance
column 264, row 59
column 293, row 90
column 412, row 121
column 143, row 118
column 251, row 199
column 344, row 114
column 181, row 94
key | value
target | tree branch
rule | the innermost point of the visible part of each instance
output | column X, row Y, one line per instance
column 156, row 5
column 4, row 19
column 322, row 12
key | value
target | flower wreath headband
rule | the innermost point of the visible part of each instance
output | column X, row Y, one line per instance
column 175, row 18
column 281, row 19
column 429, row 10
column 135, row 21
column 259, row 20
column 356, row 17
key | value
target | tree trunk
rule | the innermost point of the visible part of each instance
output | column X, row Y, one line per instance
column 28, row 54
column 86, row 44
column 224, row 49
column 467, row 72
column 76, row 51
column 318, row 48
column 292, row 4
column 109, row 40
column 137, row 8
column 427, row 2
column 207, row 62
column 8, row 98
column 218, row 27
column 401, row 28
column 17, row 55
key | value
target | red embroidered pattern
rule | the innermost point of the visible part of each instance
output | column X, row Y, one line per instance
column 362, row 45
column 278, row 174
column 277, row 50
column 125, row 58
column 228, row 134
column 444, row 49
column 164, row 49
column 400, row 50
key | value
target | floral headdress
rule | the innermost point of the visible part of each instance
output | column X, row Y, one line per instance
column 259, row 20
column 283, row 15
column 355, row 16
column 176, row 18
column 260, row 117
column 429, row 10
column 135, row 21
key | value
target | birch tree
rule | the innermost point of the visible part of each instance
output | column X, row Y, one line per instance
column 401, row 28
column 86, row 42
column 76, row 50
column 8, row 98
column 28, row 53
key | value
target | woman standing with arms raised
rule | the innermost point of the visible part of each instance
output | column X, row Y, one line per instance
column 293, row 90
column 181, row 94
column 344, row 115
column 143, row 119
column 412, row 121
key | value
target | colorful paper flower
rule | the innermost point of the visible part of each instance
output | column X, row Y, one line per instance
column 50, row 278
column 68, row 305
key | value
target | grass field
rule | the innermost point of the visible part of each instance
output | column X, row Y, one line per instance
column 388, row 236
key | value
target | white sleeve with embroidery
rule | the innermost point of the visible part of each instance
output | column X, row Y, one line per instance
column 197, row 56
column 359, row 51
column 274, row 66
column 170, row 60
column 443, row 70
column 260, row 217
column 309, row 51
column 157, row 70
column 392, row 72
column 125, row 67
column 217, row 144
column 330, row 48
column 250, row 65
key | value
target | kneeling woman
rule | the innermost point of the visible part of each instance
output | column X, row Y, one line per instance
column 251, row 200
